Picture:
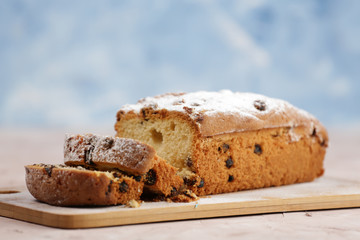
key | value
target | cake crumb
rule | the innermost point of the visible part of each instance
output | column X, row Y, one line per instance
column 185, row 196
column 133, row 204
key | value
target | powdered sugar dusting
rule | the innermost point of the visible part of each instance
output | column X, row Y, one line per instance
column 126, row 154
column 254, row 110
column 210, row 103
column 122, row 151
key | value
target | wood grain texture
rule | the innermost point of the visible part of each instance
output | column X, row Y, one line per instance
column 324, row 193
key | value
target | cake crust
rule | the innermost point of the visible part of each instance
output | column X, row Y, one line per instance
column 69, row 186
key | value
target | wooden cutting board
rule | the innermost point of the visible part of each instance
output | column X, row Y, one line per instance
column 323, row 193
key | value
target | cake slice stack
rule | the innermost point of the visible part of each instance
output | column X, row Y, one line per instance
column 103, row 170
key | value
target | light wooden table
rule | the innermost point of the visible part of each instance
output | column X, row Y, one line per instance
column 23, row 146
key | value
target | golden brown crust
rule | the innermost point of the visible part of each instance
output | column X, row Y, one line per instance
column 69, row 186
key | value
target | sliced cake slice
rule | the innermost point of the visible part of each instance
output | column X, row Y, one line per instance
column 127, row 155
column 76, row 186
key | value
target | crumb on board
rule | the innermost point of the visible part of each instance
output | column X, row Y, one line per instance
column 133, row 204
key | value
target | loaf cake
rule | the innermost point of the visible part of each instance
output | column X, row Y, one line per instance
column 225, row 141
column 178, row 146
column 76, row 186
column 126, row 155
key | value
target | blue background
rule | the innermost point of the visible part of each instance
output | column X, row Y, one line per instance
column 74, row 63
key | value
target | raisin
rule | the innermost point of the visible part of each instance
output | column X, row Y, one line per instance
column 199, row 118
column 260, row 105
column 88, row 156
column 150, row 177
column 258, row 149
column 187, row 193
column 123, row 187
column 109, row 187
column 314, row 132
column 201, row 183
column 174, row 192
column 116, row 174
column 49, row 169
column 143, row 111
column 225, row 147
column 189, row 182
column 189, row 162
column 229, row 162
column 137, row 178
column 108, row 143
column 119, row 115
column 188, row 110
column 231, row 178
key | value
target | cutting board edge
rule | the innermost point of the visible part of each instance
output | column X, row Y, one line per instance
column 175, row 213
